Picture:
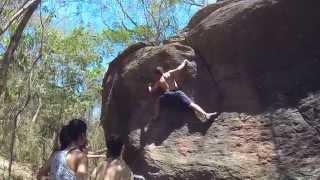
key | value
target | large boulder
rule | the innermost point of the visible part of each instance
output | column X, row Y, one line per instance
column 255, row 61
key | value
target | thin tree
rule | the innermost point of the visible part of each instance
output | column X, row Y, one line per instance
column 8, row 56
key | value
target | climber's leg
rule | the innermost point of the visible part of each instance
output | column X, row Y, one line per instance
column 200, row 113
column 156, row 109
column 164, row 100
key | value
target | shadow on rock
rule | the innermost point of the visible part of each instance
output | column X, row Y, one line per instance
column 169, row 120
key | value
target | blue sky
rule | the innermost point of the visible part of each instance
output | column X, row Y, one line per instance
column 99, row 14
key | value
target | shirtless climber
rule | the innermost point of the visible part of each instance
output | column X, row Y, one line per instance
column 170, row 93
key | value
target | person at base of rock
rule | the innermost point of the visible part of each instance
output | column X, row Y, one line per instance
column 171, row 95
column 70, row 162
column 114, row 168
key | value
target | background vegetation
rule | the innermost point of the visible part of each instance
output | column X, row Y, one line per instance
column 50, row 73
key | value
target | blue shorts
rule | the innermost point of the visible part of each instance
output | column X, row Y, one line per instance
column 175, row 98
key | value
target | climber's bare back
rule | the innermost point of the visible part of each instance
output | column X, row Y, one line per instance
column 167, row 82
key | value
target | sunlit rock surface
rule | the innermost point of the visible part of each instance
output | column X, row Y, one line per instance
column 255, row 61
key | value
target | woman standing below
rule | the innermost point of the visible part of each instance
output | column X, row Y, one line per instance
column 70, row 162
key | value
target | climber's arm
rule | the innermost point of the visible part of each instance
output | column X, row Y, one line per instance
column 180, row 67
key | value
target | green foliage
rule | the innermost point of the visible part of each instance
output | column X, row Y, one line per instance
column 67, row 82
column 116, row 36
column 125, row 36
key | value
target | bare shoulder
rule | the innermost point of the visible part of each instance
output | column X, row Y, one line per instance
column 119, row 165
column 75, row 157
column 77, row 154
column 117, row 169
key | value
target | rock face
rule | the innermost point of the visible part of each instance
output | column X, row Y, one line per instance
column 255, row 61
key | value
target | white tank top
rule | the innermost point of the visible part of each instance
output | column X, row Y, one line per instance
column 59, row 169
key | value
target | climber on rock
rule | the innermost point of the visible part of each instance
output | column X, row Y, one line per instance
column 170, row 93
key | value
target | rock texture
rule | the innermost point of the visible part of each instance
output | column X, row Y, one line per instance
column 255, row 61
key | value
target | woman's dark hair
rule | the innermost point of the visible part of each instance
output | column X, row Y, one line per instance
column 114, row 145
column 64, row 138
column 159, row 70
column 77, row 127
column 71, row 132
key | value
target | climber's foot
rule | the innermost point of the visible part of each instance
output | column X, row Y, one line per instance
column 211, row 115
column 150, row 147
column 202, row 117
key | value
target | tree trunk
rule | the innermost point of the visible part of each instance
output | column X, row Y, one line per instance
column 26, row 6
column 13, row 138
column 14, row 127
column 14, row 42
column 37, row 112
column 15, row 119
